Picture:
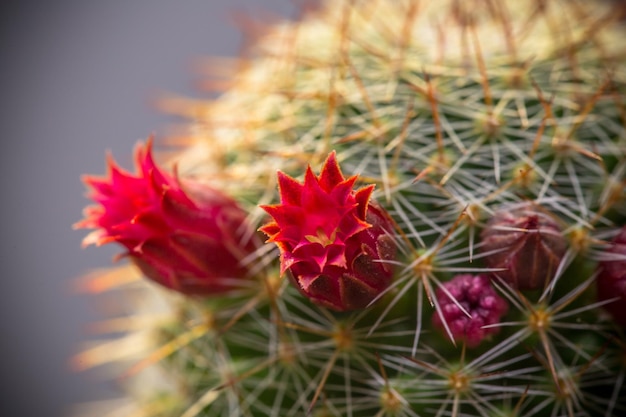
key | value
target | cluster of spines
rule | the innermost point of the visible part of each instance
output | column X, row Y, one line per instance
column 433, row 146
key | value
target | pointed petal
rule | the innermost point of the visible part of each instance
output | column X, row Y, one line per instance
column 362, row 197
column 270, row 229
column 119, row 177
column 146, row 164
column 331, row 174
column 113, row 168
column 290, row 190
column 315, row 200
column 143, row 157
column 310, row 180
column 285, row 216
column 343, row 190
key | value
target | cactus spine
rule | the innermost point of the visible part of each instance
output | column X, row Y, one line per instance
column 455, row 111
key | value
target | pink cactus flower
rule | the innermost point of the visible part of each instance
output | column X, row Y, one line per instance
column 335, row 243
column 611, row 280
column 478, row 298
column 182, row 234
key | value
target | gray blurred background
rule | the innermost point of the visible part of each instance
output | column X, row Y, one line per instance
column 77, row 78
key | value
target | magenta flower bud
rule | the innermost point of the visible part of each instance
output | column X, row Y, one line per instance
column 478, row 298
column 333, row 241
column 182, row 234
column 611, row 280
column 526, row 243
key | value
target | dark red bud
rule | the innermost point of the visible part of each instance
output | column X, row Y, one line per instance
column 527, row 243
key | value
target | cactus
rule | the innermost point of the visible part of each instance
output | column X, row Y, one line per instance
column 441, row 262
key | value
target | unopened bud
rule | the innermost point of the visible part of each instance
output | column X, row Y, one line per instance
column 526, row 243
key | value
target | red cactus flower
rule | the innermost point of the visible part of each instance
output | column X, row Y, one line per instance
column 611, row 280
column 331, row 238
column 182, row 234
column 527, row 243
column 478, row 298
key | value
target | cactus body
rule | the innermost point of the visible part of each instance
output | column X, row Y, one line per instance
column 452, row 111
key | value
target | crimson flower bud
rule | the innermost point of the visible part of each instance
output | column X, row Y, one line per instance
column 526, row 243
column 611, row 280
column 333, row 241
column 182, row 234
column 478, row 298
